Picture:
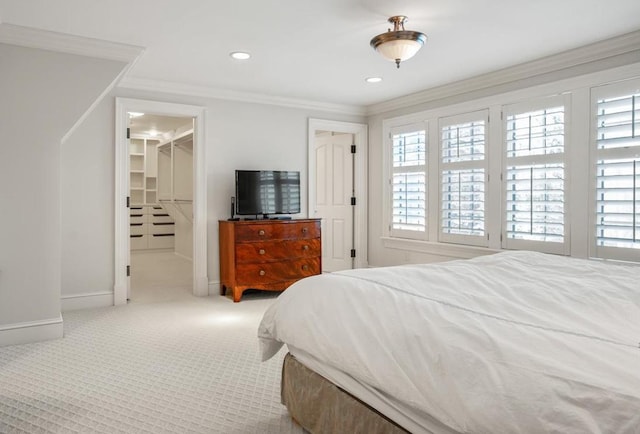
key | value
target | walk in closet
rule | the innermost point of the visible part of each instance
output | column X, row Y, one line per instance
column 160, row 206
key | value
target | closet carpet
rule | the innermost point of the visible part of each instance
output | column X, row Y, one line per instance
column 170, row 364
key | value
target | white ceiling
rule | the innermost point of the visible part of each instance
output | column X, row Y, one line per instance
column 318, row 50
column 148, row 124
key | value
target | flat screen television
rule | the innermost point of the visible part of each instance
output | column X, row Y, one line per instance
column 267, row 192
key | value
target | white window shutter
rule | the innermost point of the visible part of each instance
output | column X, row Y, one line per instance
column 463, row 144
column 409, row 183
column 617, row 173
column 534, row 176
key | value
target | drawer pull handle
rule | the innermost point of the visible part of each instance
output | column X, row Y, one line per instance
column 305, row 230
column 262, row 272
column 305, row 247
column 261, row 232
column 261, row 251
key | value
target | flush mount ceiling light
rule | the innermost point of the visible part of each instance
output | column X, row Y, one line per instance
column 373, row 79
column 398, row 45
column 240, row 55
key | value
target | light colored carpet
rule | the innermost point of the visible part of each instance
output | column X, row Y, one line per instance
column 170, row 363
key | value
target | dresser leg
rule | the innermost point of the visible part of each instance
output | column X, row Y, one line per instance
column 237, row 294
column 223, row 289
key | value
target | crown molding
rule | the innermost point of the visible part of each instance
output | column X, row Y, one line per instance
column 61, row 42
column 624, row 45
column 232, row 95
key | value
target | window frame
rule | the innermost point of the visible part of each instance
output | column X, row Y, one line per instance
column 563, row 248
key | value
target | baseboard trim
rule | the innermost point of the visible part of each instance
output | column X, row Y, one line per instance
column 31, row 331
column 214, row 288
column 86, row 301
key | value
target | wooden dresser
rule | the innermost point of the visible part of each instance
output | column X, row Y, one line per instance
column 267, row 254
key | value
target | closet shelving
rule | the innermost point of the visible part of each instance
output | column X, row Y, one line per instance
column 142, row 170
column 175, row 174
column 151, row 171
column 151, row 227
column 136, row 170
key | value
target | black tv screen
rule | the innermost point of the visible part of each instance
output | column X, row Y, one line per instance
column 267, row 192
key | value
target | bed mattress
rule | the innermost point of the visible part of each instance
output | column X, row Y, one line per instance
column 515, row 342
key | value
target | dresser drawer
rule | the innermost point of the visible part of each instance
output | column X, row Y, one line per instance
column 136, row 217
column 161, row 228
column 160, row 217
column 138, row 228
column 266, row 251
column 281, row 231
column 271, row 272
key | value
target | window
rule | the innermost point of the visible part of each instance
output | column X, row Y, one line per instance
column 557, row 172
column 462, row 178
column 534, row 176
column 617, row 171
column 409, row 182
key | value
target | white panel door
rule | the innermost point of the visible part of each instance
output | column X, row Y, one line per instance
column 333, row 192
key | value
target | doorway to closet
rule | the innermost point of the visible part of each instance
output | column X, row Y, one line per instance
column 177, row 198
column 161, row 207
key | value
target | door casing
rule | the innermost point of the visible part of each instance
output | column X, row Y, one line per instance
column 121, row 242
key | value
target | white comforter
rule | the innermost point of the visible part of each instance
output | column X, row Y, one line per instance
column 516, row 342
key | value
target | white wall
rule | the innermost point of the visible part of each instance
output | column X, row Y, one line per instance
column 42, row 95
column 87, row 178
column 238, row 136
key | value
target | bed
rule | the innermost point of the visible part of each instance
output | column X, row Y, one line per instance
column 516, row 342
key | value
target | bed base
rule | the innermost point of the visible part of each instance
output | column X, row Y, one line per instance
column 321, row 407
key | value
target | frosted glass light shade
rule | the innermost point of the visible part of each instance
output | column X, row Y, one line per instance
column 401, row 49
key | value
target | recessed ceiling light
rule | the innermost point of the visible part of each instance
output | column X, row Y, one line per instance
column 373, row 79
column 240, row 55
